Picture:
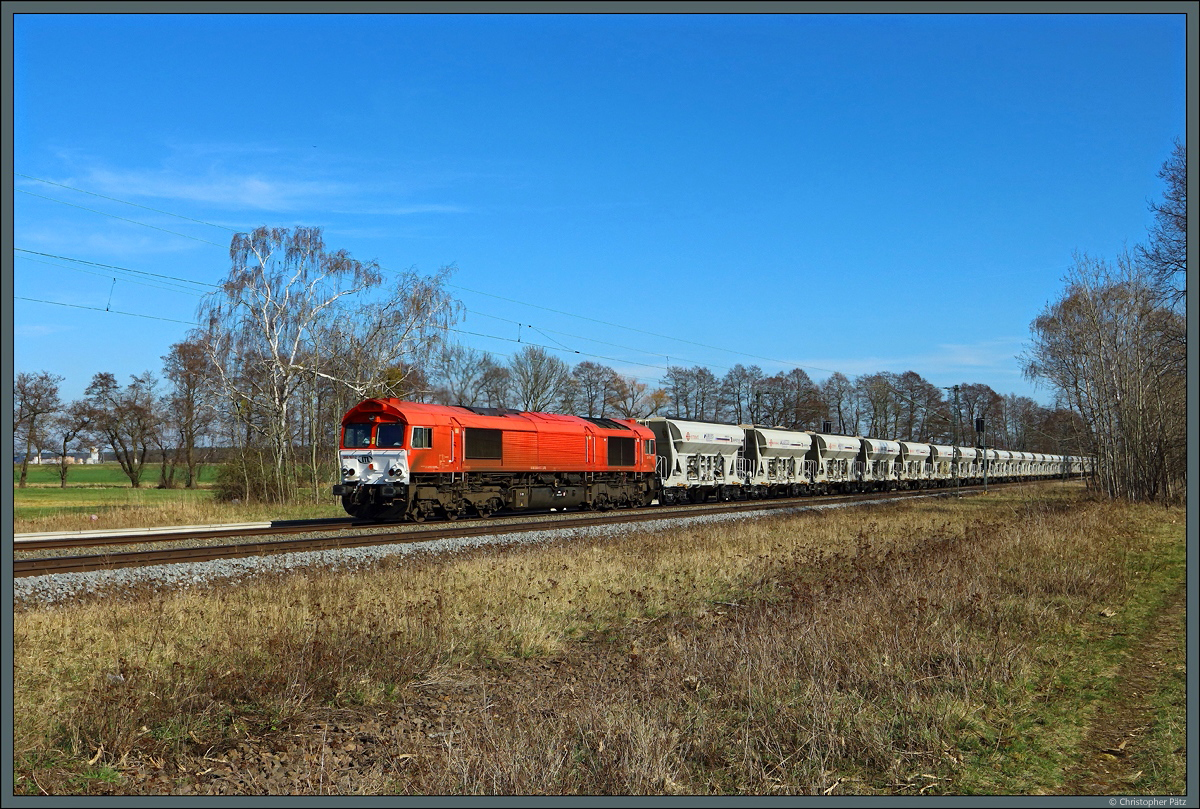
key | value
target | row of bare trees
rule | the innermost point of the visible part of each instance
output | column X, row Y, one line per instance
column 534, row 379
column 1114, row 349
column 903, row 406
column 136, row 422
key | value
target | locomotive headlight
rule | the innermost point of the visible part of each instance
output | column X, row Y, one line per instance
column 395, row 470
column 347, row 472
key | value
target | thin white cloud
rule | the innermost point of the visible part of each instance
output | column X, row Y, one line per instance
column 993, row 357
column 119, row 240
column 226, row 190
column 405, row 210
column 43, row 329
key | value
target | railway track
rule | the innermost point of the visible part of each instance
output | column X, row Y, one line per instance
column 401, row 533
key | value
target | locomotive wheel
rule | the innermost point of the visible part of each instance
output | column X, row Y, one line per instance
column 349, row 506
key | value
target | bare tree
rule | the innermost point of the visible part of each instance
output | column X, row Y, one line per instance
column 803, row 406
column 877, row 399
column 191, row 403
column 838, row 393
column 458, row 372
column 708, row 394
column 978, row 401
column 126, row 417
column 538, row 378
column 738, row 387
column 595, row 385
column 680, row 384
column 35, row 398
column 1165, row 257
column 631, row 399
column 71, row 424
column 496, row 384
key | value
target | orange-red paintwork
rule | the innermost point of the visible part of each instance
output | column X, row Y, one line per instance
column 532, row 442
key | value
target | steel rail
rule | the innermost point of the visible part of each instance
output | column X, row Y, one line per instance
column 77, row 564
column 47, row 540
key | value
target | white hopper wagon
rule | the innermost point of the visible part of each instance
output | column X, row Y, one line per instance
column 836, row 458
column 968, row 462
column 696, row 459
column 776, row 460
column 1008, row 463
column 879, row 458
column 942, row 456
column 916, row 463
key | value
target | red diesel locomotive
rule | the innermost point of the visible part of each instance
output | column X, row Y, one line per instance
column 402, row 460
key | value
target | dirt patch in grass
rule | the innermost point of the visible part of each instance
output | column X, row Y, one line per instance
column 1114, row 761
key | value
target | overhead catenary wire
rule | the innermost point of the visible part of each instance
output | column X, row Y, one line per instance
column 453, row 286
column 118, row 267
column 640, row 331
column 108, row 311
column 166, row 287
column 588, row 339
column 122, row 218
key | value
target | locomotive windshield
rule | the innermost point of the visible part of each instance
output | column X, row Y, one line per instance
column 390, row 435
column 356, row 436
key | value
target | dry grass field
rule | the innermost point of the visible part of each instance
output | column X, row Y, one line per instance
column 957, row 646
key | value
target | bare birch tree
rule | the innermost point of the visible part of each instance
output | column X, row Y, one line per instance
column 291, row 312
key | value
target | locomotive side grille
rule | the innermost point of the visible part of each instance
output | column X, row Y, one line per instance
column 483, row 444
column 621, row 452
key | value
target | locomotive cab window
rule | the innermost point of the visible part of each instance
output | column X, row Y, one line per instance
column 648, row 446
column 390, row 435
column 422, row 437
column 356, row 436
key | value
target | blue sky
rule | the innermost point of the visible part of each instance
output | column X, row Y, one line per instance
column 853, row 193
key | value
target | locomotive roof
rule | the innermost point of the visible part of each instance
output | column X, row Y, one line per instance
column 498, row 418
